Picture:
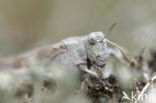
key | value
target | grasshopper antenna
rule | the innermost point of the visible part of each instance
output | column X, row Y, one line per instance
column 111, row 28
column 132, row 64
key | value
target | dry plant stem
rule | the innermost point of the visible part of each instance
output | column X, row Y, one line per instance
column 146, row 87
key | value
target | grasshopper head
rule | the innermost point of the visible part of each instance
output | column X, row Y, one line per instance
column 97, row 49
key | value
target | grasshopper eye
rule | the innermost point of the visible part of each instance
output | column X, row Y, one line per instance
column 92, row 41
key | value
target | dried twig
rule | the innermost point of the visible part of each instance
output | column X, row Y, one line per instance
column 146, row 87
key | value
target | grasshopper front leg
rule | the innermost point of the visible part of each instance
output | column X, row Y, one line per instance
column 122, row 52
column 85, row 69
column 116, row 55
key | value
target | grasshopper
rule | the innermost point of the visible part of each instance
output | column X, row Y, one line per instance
column 81, row 52
column 91, row 50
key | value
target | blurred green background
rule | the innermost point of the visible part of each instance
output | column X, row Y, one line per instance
column 26, row 24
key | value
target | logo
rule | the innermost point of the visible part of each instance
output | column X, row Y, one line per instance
column 125, row 96
column 133, row 98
